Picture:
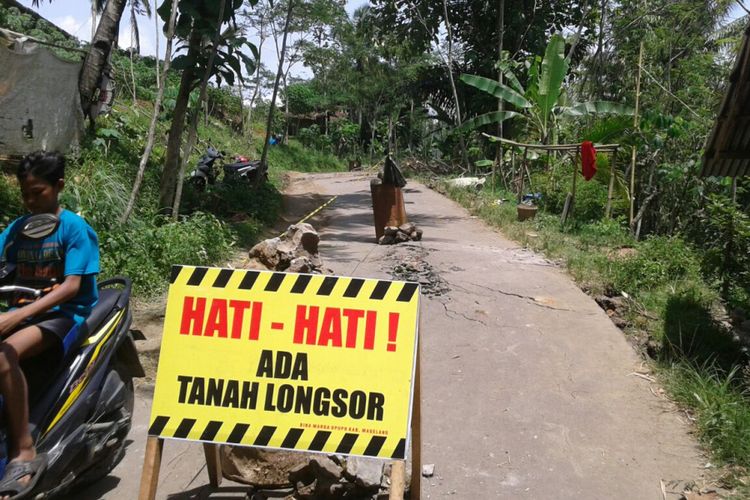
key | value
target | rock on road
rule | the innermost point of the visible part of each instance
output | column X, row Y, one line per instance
column 527, row 387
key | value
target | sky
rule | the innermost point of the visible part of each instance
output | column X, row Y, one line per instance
column 74, row 16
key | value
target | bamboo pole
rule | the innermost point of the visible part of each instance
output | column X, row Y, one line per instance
column 726, row 285
column 636, row 125
column 519, row 181
column 611, row 188
column 576, row 162
column 601, row 148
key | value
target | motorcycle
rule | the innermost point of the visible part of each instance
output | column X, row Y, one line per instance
column 243, row 169
column 81, row 416
column 204, row 173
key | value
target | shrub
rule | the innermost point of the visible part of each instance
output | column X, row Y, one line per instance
column 716, row 221
column 10, row 200
column 658, row 261
column 223, row 103
column 98, row 193
column 293, row 156
column 236, row 201
column 591, row 196
column 605, row 232
column 344, row 136
column 146, row 250
column 313, row 138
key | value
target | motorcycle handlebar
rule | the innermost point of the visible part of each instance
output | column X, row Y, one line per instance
column 20, row 289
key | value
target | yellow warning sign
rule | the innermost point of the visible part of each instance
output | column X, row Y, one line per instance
column 292, row 361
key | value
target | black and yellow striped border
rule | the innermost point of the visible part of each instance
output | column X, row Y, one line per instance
column 266, row 436
column 270, row 281
column 302, row 439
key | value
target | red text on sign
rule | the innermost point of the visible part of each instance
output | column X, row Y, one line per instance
column 220, row 318
column 335, row 327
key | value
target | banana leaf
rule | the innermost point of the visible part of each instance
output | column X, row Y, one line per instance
column 496, row 89
column 513, row 81
column 486, row 119
column 597, row 108
column 554, row 69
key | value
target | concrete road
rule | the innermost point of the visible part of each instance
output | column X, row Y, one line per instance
column 528, row 389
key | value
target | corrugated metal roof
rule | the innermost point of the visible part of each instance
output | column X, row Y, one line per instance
column 727, row 152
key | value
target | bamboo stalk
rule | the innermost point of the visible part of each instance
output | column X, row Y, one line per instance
column 610, row 189
column 576, row 162
column 520, row 182
column 636, row 125
column 601, row 148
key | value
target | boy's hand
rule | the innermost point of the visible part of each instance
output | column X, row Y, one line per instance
column 9, row 321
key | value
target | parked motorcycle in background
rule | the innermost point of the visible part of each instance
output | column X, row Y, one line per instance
column 205, row 173
column 243, row 169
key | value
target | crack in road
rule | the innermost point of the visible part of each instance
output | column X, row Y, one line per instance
column 528, row 298
column 448, row 313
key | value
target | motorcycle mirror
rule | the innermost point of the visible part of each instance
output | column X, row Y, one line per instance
column 40, row 226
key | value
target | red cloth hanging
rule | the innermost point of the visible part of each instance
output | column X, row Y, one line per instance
column 588, row 160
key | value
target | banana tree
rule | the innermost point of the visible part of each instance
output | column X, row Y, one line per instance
column 543, row 102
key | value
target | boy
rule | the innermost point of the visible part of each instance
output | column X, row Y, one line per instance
column 70, row 256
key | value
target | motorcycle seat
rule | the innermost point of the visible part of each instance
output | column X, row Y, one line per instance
column 106, row 304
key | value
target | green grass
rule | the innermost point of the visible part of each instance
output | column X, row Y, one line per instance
column 720, row 403
column 699, row 363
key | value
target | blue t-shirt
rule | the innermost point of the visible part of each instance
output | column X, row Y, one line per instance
column 72, row 250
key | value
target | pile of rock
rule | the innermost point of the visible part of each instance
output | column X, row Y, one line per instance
column 616, row 308
column 306, row 476
column 406, row 232
column 296, row 251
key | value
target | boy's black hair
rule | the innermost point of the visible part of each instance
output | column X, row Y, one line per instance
column 49, row 166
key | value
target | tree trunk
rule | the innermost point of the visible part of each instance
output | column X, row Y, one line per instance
column 174, row 141
column 154, row 117
column 240, row 88
column 389, row 142
column 256, row 90
column 500, row 103
column 136, row 42
column 411, row 127
column 193, row 131
column 372, row 140
column 133, row 42
column 93, row 20
column 272, row 106
column 101, row 46
column 286, row 110
column 156, row 39
column 449, row 67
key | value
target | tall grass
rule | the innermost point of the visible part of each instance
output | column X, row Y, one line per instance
column 720, row 403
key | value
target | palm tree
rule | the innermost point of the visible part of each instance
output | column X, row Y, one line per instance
column 138, row 7
column 101, row 45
